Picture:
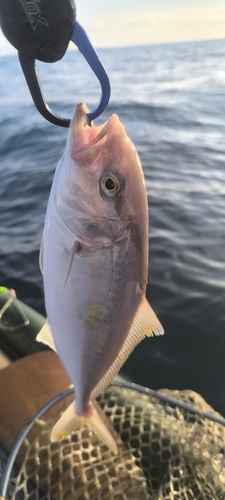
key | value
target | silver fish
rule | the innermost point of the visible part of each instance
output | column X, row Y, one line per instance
column 94, row 259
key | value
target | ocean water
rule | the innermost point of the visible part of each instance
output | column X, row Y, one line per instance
column 171, row 99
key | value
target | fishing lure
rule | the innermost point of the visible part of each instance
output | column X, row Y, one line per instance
column 41, row 30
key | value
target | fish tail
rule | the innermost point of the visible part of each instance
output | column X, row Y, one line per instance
column 94, row 418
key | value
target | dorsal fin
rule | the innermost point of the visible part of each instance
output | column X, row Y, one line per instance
column 145, row 324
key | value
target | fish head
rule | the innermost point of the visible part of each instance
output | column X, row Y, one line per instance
column 102, row 171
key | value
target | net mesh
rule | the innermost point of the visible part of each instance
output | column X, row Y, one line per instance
column 166, row 452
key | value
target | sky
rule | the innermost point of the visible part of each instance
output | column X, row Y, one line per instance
column 136, row 22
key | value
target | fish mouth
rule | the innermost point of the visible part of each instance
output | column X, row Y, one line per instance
column 86, row 137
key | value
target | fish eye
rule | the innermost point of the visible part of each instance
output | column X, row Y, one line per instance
column 110, row 184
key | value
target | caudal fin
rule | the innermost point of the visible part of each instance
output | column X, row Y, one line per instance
column 95, row 419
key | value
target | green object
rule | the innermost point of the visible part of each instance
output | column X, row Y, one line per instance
column 19, row 326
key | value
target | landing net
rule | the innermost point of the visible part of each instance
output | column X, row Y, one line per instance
column 170, row 449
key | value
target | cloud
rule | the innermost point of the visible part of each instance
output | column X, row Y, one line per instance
column 5, row 47
column 158, row 26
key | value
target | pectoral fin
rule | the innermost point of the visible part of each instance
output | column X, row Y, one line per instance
column 41, row 256
column 75, row 249
column 145, row 324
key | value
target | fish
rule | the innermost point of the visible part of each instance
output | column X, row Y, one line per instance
column 94, row 261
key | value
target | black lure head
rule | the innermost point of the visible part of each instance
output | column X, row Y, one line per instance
column 40, row 29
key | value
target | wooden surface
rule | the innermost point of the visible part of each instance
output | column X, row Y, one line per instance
column 25, row 386
column 3, row 361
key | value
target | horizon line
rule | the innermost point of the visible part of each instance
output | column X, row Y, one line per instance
column 127, row 46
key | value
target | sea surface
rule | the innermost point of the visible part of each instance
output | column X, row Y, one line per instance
column 171, row 100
